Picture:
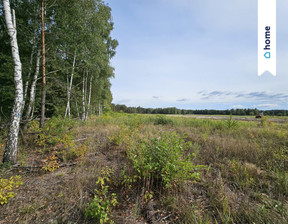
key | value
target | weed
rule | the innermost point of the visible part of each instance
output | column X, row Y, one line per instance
column 128, row 178
column 101, row 205
column 51, row 163
column 165, row 158
column 241, row 175
column 27, row 209
column 230, row 123
column 225, row 215
column 7, row 187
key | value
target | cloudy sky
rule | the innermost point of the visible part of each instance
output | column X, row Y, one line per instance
column 195, row 54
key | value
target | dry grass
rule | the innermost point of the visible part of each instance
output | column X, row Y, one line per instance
column 246, row 179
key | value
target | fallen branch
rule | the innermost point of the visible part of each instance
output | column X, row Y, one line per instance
column 81, row 139
column 30, row 168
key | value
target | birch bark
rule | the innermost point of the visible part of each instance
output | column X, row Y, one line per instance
column 11, row 148
column 100, row 109
column 83, row 98
column 28, row 76
column 89, row 97
column 43, row 100
column 33, row 87
column 67, row 112
column 78, row 115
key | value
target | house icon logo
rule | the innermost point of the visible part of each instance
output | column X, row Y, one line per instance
column 267, row 55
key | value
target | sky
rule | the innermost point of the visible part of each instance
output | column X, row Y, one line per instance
column 195, row 54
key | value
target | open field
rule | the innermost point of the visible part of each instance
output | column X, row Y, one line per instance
column 150, row 169
column 238, row 118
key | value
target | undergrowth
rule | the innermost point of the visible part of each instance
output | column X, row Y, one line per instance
column 7, row 188
column 153, row 169
column 166, row 158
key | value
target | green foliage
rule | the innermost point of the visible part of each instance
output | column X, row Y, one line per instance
column 56, row 142
column 119, row 136
column 80, row 28
column 101, row 205
column 225, row 214
column 128, row 178
column 165, row 158
column 173, row 110
column 162, row 120
column 7, row 187
column 51, row 163
column 241, row 175
column 56, row 131
column 58, row 135
column 265, row 122
column 230, row 123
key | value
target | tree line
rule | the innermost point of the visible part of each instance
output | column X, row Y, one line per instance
column 57, row 64
column 174, row 110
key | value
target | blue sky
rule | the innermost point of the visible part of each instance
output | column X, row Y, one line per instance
column 195, row 54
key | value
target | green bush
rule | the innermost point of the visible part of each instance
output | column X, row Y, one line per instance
column 231, row 124
column 162, row 120
column 56, row 130
column 57, row 135
column 101, row 205
column 166, row 158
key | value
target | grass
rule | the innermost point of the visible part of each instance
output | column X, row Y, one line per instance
column 241, row 169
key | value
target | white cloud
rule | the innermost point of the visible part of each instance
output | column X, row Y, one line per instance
column 238, row 107
column 185, row 46
column 267, row 106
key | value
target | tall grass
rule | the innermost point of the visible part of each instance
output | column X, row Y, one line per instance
column 248, row 166
column 158, row 170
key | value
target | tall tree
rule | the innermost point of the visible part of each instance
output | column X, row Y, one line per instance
column 69, row 88
column 30, row 108
column 77, row 42
column 11, row 148
column 43, row 101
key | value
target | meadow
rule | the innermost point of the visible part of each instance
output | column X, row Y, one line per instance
column 129, row 168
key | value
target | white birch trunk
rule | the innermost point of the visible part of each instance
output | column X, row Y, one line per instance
column 11, row 148
column 86, row 84
column 83, row 99
column 99, row 109
column 89, row 97
column 67, row 90
column 33, row 108
column 33, row 87
column 68, row 111
column 77, row 110
column 28, row 76
column 43, row 100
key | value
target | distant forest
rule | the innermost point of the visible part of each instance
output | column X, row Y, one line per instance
column 174, row 110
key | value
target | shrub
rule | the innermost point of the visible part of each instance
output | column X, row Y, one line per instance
column 7, row 187
column 230, row 123
column 56, row 131
column 101, row 205
column 162, row 120
column 165, row 158
column 51, row 163
column 57, row 136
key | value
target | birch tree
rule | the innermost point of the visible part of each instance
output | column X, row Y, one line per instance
column 89, row 97
column 69, row 88
column 30, row 107
column 11, row 148
column 28, row 77
column 83, row 117
column 73, row 28
column 43, row 100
